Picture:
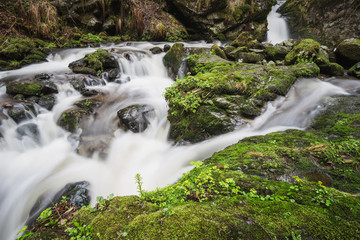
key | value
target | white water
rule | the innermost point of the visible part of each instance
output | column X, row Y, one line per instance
column 30, row 169
column 277, row 25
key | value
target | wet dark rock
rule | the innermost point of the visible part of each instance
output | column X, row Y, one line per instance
column 135, row 117
column 77, row 193
column 166, row 47
column 17, row 114
column 47, row 101
column 78, row 84
column 113, row 74
column 43, row 76
column 156, row 50
column 30, row 130
column 89, row 93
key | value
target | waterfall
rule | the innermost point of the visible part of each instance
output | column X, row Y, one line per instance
column 277, row 25
column 34, row 168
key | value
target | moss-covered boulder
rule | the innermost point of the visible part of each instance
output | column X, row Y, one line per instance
column 96, row 63
column 276, row 52
column 309, row 50
column 222, row 95
column 348, row 52
column 306, row 50
column 71, row 119
column 355, row 70
column 173, row 59
column 218, row 51
column 31, row 88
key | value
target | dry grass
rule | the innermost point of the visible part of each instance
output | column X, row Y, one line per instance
column 41, row 16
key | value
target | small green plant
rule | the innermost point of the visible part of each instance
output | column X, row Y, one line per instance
column 102, row 203
column 323, row 196
column 139, row 184
column 24, row 233
column 80, row 232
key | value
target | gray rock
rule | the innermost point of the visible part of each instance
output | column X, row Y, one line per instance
column 135, row 117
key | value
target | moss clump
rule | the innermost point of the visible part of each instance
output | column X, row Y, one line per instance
column 96, row 60
column 306, row 50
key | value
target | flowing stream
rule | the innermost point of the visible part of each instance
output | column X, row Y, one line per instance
column 277, row 25
column 33, row 168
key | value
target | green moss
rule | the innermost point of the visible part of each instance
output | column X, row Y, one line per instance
column 96, row 60
column 306, row 50
column 70, row 120
column 355, row 70
column 27, row 88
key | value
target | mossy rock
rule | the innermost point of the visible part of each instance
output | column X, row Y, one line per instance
column 204, row 62
column 173, row 59
column 95, row 63
column 245, row 39
column 235, row 53
column 348, row 52
column 31, row 88
column 71, row 119
column 306, row 50
column 355, row 70
column 217, row 50
column 277, row 52
column 195, row 112
column 332, row 69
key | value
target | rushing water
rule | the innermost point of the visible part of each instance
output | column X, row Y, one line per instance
column 31, row 168
column 277, row 25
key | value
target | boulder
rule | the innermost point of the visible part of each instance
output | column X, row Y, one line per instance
column 348, row 52
column 155, row 50
column 277, row 52
column 95, row 63
column 31, row 88
column 135, row 117
column 217, row 50
column 71, row 119
column 173, row 59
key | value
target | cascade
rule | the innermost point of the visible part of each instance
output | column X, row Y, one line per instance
column 277, row 25
column 37, row 167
